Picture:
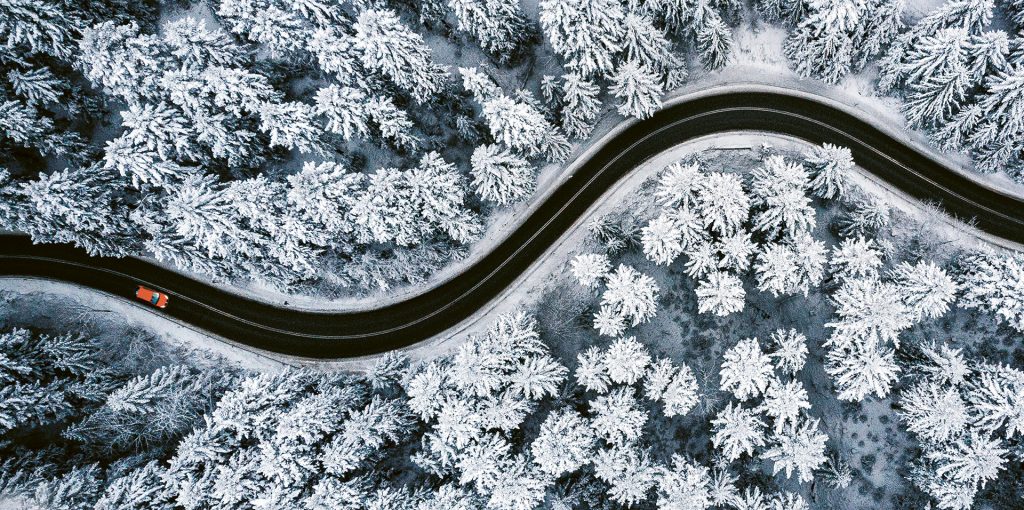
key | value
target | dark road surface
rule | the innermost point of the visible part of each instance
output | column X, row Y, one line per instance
column 327, row 335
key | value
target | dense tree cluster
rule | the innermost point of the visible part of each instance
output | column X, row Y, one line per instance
column 629, row 46
column 767, row 388
column 727, row 227
column 497, row 424
column 966, row 415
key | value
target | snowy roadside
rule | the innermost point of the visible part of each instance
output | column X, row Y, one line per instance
column 523, row 293
column 880, row 111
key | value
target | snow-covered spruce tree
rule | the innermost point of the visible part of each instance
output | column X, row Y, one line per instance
column 631, row 295
column 517, row 124
column 799, row 448
column 778, row 194
column 343, row 110
column 720, row 294
column 735, row 251
column 638, row 90
column 80, row 207
column 822, row 45
column 501, row 176
column 662, row 240
column 737, row 431
column 675, row 387
column 591, row 372
column 829, row 168
column 192, row 99
column 834, row 38
column 646, row 46
column 934, row 413
column 628, row 471
column 40, row 375
column 389, row 47
column 150, row 410
column 714, row 41
column 855, row 257
column 290, row 124
column 324, row 194
column 926, row 289
column 586, row 34
column 409, row 206
column 746, row 370
column 501, row 27
column 579, row 105
column 995, row 284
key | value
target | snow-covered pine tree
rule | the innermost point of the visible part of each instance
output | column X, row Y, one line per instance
column 662, row 240
column 628, row 471
column 586, row 34
column 789, row 351
column 864, row 218
column 580, row 105
column 861, row 370
column 722, row 203
column 799, row 448
column 829, row 167
column 778, row 193
column 626, row 360
column 737, row 431
column 564, row 444
column 934, row 413
column 501, row 176
column 638, row 89
column 501, row 27
column 590, row 269
column 855, row 257
column 631, row 294
column 617, row 416
column 591, row 373
column 784, row 402
column 746, row 370
column 389, row 47
column 994, row 283
column 721, row 294
column 926, row 289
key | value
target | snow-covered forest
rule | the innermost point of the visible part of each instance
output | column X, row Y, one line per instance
column 321, row 146
column 748, row 330
column 810, row 308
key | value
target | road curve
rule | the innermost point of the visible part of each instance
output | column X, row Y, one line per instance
column 334, row 335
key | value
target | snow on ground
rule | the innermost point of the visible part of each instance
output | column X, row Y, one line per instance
column 539, row 282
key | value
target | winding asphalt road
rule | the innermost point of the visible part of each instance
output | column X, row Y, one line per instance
column 332, row 335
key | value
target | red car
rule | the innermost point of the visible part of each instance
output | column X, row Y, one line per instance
column 152, row 297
